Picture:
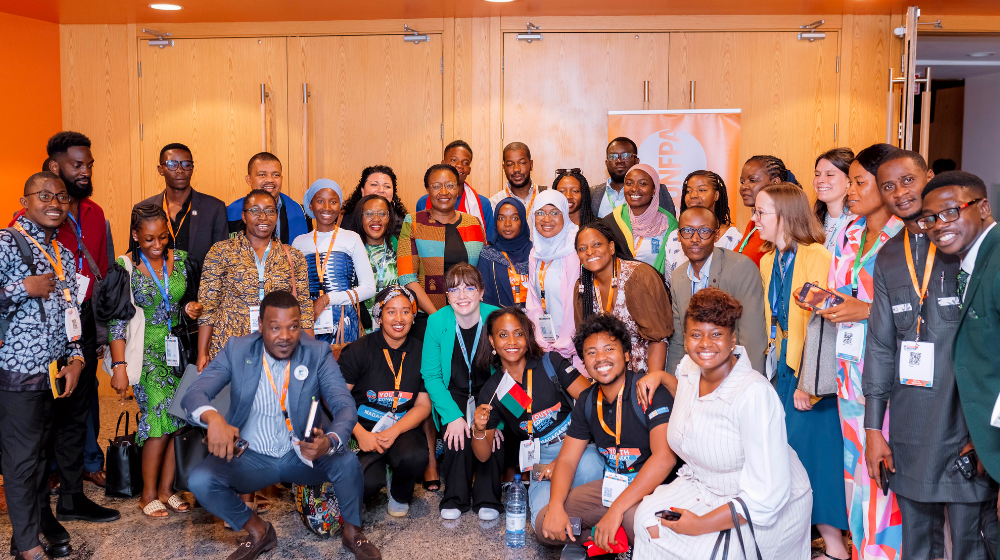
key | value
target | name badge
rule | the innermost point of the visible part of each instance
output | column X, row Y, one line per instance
column 916, row 363
column 548, row 328
column 903, row 307
column 995, row 417
column 387, row 421
column 173, row 351
column 946, row 301
column 74, row 328
column 470, row 410
column 850, row 341
column 771, row 365
column 528, row 453
column 614, row 485
column 82, row 283
column 324, row 323
column 254, row 318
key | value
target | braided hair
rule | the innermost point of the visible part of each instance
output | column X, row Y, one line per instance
column 772, row 166
column 586, row 212
column 396, row 204
column 586, row 276
column 142, row 213
column 721, row 208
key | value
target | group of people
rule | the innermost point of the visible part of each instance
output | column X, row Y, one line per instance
column 667, row 383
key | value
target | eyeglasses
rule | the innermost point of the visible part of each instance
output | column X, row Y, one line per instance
column 568, row 171
column 467, row 290
column 543, row 213
column 947, row 215
column 46, row 196
column 186, row 165
column 623, row 156
column 451, row 187
column 688, row 232
column 756, row 214
column 270, row 212
column 369, row 214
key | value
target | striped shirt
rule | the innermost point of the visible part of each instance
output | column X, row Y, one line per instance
column 265, row 428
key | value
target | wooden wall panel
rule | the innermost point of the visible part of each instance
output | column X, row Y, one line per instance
column 864, row 80
column 470, row 82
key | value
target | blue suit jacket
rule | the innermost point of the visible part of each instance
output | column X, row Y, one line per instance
column 239, row 365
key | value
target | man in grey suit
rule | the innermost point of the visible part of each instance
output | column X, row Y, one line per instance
column 720, row 268
column 606, row 195
column 258, row 367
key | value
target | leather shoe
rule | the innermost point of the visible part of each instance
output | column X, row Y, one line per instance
column 54, row 551
column 249, row 550
column 355, row 541
column 79, row 507
column 97, row 477
column 54, row 532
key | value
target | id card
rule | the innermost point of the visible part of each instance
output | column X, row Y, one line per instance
column 173, row 351
column 470, row 410
column 850, row 341
column 254, row 318
column 82, row 283
column 916, row 363
column 74, row 328
column 771, row 366
column 528, row 453
column 324, row 323
column 614, row 485
column 548, row 328
column 384, row 423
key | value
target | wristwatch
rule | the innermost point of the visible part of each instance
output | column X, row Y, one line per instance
column 80, row 358
column 334, row 443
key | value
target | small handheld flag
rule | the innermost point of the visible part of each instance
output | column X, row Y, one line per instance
column 512, row 396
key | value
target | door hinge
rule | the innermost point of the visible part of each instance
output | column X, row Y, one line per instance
column 140, row 68
column 442, row 131
column 900, row 131
column 140, row 131
column 838, row 64
column 442, row 65
column 834, row 132
column 501, row 131
column 501, row 65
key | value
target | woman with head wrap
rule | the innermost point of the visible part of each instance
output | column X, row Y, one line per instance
column 504, row 263
column 639, row 224
column 334, row 256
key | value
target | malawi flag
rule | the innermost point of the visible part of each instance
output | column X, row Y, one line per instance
column 512, row 396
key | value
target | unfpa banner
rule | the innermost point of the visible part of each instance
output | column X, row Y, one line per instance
column 679, row 142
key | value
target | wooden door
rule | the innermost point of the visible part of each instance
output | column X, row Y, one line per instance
column 374, row 100
column 786, row 88
column 557, row 93
column 206, row 93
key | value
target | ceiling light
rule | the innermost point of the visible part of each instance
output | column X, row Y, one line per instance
column 982, row 54
column 498, row 1
column 167, row 7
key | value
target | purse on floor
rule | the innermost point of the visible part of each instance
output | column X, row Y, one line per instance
column 123, row 466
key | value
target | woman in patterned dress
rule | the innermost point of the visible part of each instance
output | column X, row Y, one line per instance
column 159, row 283
column 873, row 517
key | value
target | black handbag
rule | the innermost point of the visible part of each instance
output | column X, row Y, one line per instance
column 123, row 467
column 724, row 536
column 186, row 331
column 189, row 450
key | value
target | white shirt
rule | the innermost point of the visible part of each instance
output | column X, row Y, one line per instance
column 969, row 260
column 506, row 192
column 612, row 199
column 832, row 227
column 349, row 243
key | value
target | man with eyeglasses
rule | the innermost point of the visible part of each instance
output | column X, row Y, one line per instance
column 264, row 172
column 915, row 313
column 197, row 220
column 517, row 165
column 716, row 267
column 605, row 196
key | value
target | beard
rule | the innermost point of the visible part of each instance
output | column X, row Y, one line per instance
column 79, row 191
column 524, row 183
column 616, row 177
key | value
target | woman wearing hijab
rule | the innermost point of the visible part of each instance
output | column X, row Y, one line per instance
column 504, row 263
column 553, row 269
column 639, row 224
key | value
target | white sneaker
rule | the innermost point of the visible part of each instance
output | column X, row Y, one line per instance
column 488, row 514
column 397, row 509
column 451, row 513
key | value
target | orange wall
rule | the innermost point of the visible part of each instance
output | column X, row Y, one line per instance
column 30, row 96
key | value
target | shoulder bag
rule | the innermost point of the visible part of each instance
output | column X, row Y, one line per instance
column 724, row 536
column 135, row 338
column 818, row 369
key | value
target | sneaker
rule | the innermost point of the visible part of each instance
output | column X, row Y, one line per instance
column 451, row 513
column 573, row 552
column 397, row 509
column 488, row 514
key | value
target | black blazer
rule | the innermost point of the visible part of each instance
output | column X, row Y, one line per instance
column 209, row 224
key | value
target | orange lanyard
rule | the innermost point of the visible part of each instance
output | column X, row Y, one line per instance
column 530, row 202
column 321, row 263
column 611, row 292
column 928, row 266
column 516, row 280
column 618, row 419
column 397, row 377
column 531, row 424
column 170, row 226
column 541, row 283
column 284, row 392
column 638, row 244
column 56, row 264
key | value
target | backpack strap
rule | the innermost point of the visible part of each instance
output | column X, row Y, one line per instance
column 635, row 404
column 29, row 260
column 91, row 263
column 588, row 407
column 550, row 371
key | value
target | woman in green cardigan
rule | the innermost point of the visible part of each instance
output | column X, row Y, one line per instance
column 454, row 337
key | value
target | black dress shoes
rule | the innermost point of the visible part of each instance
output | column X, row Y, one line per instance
column 79, row 507
column 249, row 550
column 53, row 531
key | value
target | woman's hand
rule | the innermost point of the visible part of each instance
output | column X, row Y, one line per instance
column 387, row 437
column 801, row 400
column 320, row 304
column 193, row 309
column 798, row 302
column 497, row 439
column 851, row 311
column 202, row 362
column 368, row 441
column 545, row 472
column 690, row 523
column 456, row 434
column 482, row 417
column 119, row 379
column 647, row 386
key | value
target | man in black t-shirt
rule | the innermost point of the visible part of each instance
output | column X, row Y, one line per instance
column 633, row 442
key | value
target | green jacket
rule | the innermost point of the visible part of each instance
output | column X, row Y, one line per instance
column 435, row 364
column 977, row 371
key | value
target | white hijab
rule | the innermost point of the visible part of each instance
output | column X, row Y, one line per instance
column 562, row 243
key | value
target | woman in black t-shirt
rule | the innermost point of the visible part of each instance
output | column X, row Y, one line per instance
column 382, row 370
column 551, row 383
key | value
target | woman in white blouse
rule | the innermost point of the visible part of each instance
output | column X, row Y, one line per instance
column 728, row 426
column 705, row 189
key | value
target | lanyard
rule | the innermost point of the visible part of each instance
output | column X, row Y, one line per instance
column 164, row 288
column 541, row 283
column 79, row 241
column 638, row 244
column 516, row 280
column 747, row 238
column 611, row 292
column 465, row 354
column 928, row 266
column 531, row 424
column 321, row 262
column 170, row 225
column 618, row 419
column 397, row 377
column 788, row 257
column 530, row 201
column 284, row 392
column 56, row 264
column 859, row 261
column 260, row 268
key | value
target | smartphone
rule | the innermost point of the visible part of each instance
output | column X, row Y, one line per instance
column 577, row 524
column 883, row 477
column 967, row 464
column 668, row 514
column 818, row 298
column 536, row 471
column 239, row 446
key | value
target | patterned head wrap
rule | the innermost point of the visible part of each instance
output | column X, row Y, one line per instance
column 385, row 295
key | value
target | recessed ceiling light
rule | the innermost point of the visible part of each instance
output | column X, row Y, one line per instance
column 982, row 54
column 499, row 1
column 168, row 7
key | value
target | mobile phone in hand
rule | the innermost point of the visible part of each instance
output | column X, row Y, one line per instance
column 818, row 298
column 239, row 446
column 883, row 477
column 668, row 514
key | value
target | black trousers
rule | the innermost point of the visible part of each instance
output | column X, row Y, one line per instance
column 923, row 529
column 467, row 480
column 25, row 426
column 407, row 457
column 71, row 413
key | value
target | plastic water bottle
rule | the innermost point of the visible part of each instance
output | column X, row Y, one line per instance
column 517, row 513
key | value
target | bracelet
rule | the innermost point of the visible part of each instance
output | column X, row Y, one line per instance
column 116, row 364
column 478, row 438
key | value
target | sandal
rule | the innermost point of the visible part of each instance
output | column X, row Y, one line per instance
column 263, row 504
column 153, row 509
column 177, row 504
column 834, row 557
column 428, row 483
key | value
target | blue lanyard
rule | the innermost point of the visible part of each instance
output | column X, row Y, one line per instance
column 260, row 269
column 79, row 242
column 783, row 262
column 164, row 288
column 465, row 354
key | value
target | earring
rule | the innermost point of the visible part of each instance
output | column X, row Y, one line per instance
column 494, row 351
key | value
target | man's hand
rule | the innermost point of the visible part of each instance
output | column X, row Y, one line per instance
column 387, row 437
column 367, row 440
column 456, row 433
column 876, row 451
column 556, row 525
column 221, row 436
column 606, row 528
column 980, row 469
column 318, row 447
column 40, row 285
column 71, row 372
column 119, row 380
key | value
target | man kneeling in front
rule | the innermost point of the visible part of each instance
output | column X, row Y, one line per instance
column 257, row 367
